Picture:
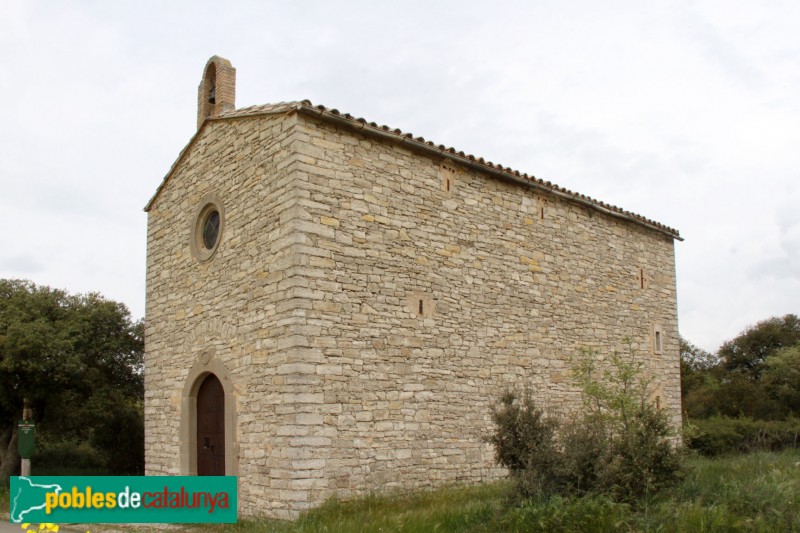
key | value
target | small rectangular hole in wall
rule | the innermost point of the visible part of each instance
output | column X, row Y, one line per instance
column 658, row 403
column 448, row 175
column 658, row 339
column 541, row 213
column 641, row 278
column 419, row 304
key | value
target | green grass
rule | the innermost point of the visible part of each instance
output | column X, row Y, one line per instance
column 758, row 492
column 468, row 509
column 754, row 492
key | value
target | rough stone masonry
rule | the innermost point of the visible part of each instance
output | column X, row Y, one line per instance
column 366, row 296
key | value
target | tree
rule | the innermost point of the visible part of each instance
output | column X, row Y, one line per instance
column 696, row 358
column 65, row 353
column 699, row 381
column 747, row 352
column 781, row 378
column 753, row 375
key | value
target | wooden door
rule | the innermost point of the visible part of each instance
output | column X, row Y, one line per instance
column 211, row 428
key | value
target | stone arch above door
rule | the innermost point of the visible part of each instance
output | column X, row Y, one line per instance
column 207, row 364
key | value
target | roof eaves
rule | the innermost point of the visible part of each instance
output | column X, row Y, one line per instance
column 420, row 144
column 478, row 163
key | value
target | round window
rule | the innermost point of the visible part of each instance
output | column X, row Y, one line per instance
column 208, row 227
column 211, row 229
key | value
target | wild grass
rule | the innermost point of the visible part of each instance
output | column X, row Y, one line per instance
column 467, row 509
column 758, row 492
column 754, row 492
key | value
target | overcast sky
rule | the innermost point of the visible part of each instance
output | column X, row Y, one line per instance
column 684, row 112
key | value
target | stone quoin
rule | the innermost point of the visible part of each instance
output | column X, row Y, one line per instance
column 333, row 306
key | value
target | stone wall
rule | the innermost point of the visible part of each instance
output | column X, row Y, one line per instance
column 235, row 308
column 432, row 289
column 369, row 304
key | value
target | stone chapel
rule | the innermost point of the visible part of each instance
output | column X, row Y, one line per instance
column 333, row 306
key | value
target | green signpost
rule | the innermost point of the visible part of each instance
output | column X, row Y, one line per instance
column 26, row 438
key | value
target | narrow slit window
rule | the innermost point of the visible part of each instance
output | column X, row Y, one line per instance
column 420, row 307
column 641, row 278
column 658, row 339
column 541, row 213
column 658, row 403
column 448, row 178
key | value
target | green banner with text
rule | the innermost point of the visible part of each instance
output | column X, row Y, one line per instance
column 123, row 499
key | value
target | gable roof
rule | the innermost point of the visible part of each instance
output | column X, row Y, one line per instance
column 421, row 145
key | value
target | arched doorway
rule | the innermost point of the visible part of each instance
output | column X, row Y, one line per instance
column 192, row 441
column 211, row 427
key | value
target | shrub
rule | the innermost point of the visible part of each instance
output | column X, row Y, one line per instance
column 57, row 455
column 721, row 435
column 629, row 438
column 525, row 444
column 583, row 442
column 640, row 460
column 620, row 445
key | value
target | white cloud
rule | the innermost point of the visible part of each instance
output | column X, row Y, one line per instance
column 685, row 112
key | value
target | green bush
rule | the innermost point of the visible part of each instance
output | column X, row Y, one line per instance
column 619, row 445
column 66, row 454
column 641, row 458
column 583, row 442
column 721, row 435
column 525, row 443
